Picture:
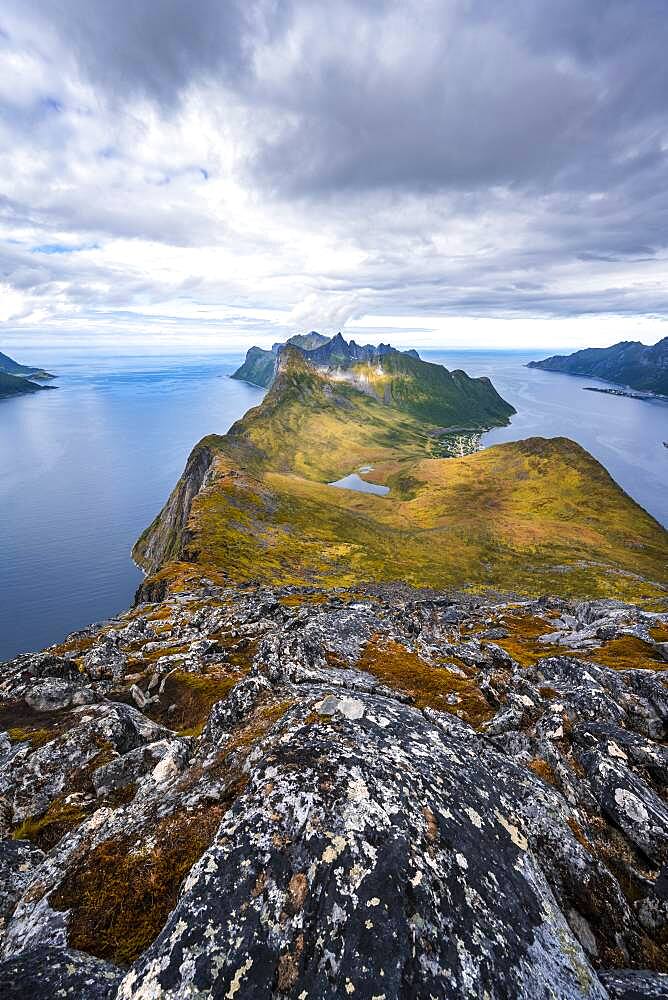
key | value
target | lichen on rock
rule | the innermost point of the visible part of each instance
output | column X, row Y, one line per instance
column 383, row 792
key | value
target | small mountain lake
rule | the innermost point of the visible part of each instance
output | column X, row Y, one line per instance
column 355, row 482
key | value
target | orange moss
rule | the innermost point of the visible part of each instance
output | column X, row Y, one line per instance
column 576, row 830
column 428, row 686
column 121, row 894
column 626, row 653
column 543, row 770
column 194, row 695
column 522, row 643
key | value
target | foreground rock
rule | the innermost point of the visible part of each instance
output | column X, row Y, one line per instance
column 383, row 794
column 55, row 973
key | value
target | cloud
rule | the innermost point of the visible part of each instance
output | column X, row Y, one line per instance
column 223, row 165
column 143, row 48
column 325, row 311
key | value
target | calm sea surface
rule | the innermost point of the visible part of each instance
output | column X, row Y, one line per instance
column 85, row 468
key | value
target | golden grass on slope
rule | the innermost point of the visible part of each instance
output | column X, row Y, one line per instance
column 627, row 653
column 485, row 521
column 535, row 516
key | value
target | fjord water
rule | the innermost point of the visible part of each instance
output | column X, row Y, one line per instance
column 84, row 469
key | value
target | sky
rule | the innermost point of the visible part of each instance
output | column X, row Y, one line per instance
column 462, row 173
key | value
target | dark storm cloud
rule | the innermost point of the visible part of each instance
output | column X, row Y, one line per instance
column 537, row 94
column 156, row 47
column 417, row 96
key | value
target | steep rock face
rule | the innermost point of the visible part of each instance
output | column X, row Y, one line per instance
column 258, row 367
column 163, row 538
column 628, row 363
column 381, row 793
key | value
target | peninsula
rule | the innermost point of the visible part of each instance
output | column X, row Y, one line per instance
column 535, row 516
column 628, row 364
column 16, row 379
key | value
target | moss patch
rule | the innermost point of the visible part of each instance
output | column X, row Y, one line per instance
column 543, row 770
column 122, row 893
column 77, row 645
column 428, row 686
column 45, row 831
column 194, row 696
column 36, row 737
column 522, row 643
column 245, row 738
column 626, row 653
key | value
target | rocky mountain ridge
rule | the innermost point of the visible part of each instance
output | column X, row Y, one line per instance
column 326, row 353
column 628, row 363
column 275, row 792
column 304, row 766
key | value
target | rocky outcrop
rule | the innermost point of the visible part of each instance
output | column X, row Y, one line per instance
column 164, row 538
column 379, row 793
column 58, row 974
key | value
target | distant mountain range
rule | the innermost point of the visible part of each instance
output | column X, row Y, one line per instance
column 328, row 352
column 16, row 379
column 628, row 363
column 396, row 378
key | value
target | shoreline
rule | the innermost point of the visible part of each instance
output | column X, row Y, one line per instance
column 628, row 393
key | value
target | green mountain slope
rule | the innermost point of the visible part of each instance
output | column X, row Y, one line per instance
column 628, row 363
column 536, row 516
column 432, row 393
column 398, row 378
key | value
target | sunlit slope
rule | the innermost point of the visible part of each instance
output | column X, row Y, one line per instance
column 537, row 516
column 430, row 392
